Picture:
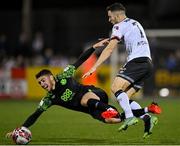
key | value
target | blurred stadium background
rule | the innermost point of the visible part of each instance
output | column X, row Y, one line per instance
column 37, row 34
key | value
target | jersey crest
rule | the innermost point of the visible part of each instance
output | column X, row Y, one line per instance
column 63, row 82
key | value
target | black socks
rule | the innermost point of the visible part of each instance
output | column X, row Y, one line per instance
column 96, row 104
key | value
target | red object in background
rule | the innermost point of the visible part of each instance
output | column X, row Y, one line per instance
column 13, row 84
column 18, row 73
column 92, row 79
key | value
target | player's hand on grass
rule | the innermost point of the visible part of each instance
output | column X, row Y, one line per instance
column 101, row 43
column 9, row 134
column 89, row 73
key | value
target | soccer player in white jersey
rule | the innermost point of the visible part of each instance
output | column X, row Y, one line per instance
column 139, row 64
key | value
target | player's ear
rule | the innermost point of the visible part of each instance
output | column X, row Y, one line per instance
column 51, row 77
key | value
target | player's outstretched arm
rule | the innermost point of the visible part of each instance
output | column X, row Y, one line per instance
column 32, row 118
column 102, row 43
column 104, row 55
column 70, row 69
column 83, row 57
column 30, row 121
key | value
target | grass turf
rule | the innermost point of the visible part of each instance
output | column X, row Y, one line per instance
column 65, row 127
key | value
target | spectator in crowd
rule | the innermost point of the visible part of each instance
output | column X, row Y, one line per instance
column 171, row 62
column 38, row 43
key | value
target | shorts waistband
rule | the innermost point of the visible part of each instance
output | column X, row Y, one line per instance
column 141, row 59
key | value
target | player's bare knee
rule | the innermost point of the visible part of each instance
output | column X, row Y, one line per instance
column 87, row 96
column 115, row 87
column 131, row 92
column 84, row 102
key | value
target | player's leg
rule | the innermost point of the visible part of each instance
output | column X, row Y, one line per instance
column 110, row 112
column 97, row 114
column 153, row 107
column 126, row 77
column 111, row 115
column 98, row 99
column 135, row 72
column 142, row 113
column 118, row 87
column 149, row 121
column 92, row 101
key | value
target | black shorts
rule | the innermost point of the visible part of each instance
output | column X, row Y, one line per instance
column 136, row 71
column 96, row 114
column 98, row 91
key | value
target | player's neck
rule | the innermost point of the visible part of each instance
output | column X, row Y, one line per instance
column 122, row 18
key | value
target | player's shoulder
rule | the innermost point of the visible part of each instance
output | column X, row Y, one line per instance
column 133, row 21
column 123, row 24
column 128, row 21
column 48, row 96
column 45, row 102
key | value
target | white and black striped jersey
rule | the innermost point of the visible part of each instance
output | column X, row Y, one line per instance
column 134, row 37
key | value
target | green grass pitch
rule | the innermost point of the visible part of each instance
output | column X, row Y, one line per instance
column 65, row 127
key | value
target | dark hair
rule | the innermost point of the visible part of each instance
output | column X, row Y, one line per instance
column 43, row 72
column 116, row 7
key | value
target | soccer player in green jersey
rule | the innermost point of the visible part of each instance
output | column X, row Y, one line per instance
column 65, row 91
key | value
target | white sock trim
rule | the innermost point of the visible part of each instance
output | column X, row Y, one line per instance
column 124, row 103
column 146, row 110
